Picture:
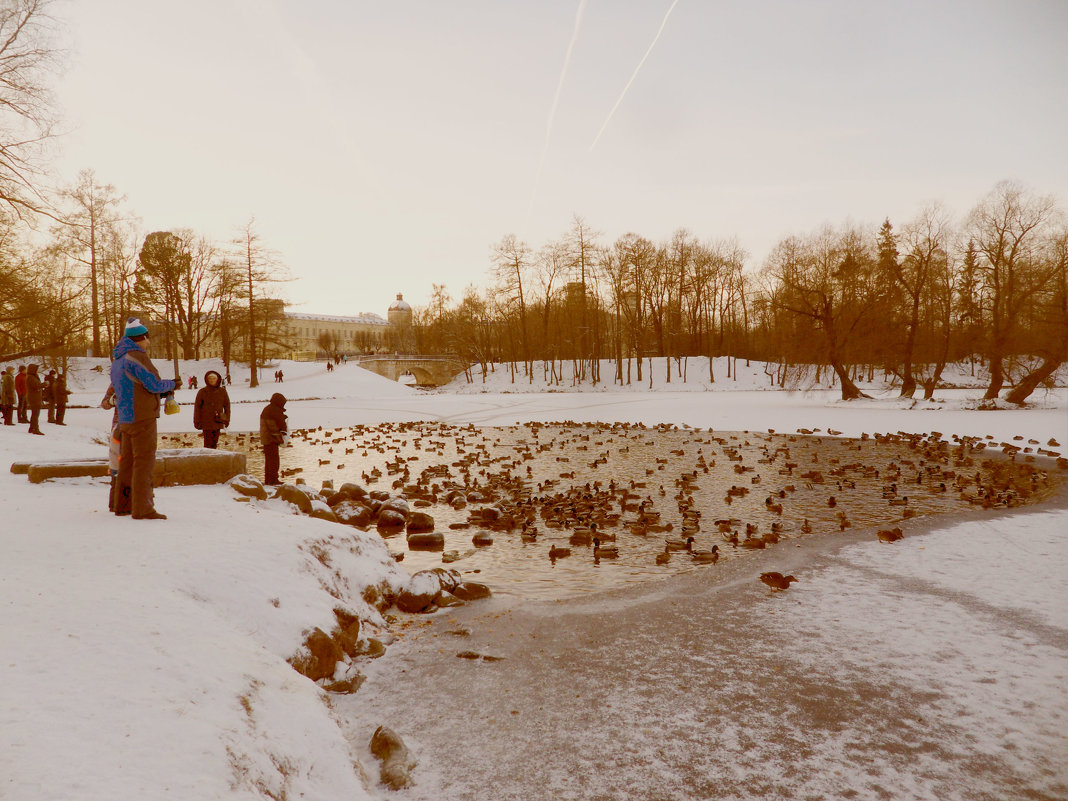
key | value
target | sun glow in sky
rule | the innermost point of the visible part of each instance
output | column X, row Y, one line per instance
column 384, row 147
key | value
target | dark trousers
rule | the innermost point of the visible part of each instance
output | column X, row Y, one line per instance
column 7, row 409
column 211, row 438
column 51, row 412
column 35, row 421
column 137, row 460
column 270, row 463
column 61, row 412
column 22, row 408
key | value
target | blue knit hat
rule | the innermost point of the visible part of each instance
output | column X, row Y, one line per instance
column 135, row 328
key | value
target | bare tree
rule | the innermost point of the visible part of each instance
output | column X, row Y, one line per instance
column 164, row 260
column 261, row 267
column 1006, row 228
column 118, row 271
column 824, row 279
column 550, row 267
column 27, row 57
column 330, row 344
column 40, row 299
column 925, row 244
column 92, row 213
column 582, row 249
column 1051, row 342
column 511, row 261
column 229, row 284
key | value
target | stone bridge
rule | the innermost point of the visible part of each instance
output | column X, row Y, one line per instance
column 429, row 371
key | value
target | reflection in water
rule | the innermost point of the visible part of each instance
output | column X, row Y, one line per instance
column 640, row 487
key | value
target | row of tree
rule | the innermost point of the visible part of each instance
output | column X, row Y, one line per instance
column 69, row 291
column 991, row 287
column 74, row 263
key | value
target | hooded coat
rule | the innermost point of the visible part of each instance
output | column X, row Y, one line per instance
column 33, row 388
column 273, row 420
column 138, row 386
column 211, row 409
column 7, row 389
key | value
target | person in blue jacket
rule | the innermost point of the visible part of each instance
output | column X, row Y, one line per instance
column 138, row 389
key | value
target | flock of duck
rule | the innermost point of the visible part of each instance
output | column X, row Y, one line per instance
column 664, row 495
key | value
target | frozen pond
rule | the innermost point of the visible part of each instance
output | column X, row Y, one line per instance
column 643, row 486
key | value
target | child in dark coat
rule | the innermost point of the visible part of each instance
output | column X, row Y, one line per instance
column 273, row 434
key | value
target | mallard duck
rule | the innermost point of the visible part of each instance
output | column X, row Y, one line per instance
column 606, row 552
column 581, row 536
column 777, row 581
column 707, row 557
column 558, row 553
column 676, row 544
column 753, row 543
column 663, row 558
column 890, row 535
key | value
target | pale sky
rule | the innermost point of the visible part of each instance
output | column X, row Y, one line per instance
column 385, row 146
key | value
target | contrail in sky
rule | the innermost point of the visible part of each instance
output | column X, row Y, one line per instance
column 634, row 75
column 556, row 99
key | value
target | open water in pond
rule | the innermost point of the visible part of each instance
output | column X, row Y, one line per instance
column 647, row 489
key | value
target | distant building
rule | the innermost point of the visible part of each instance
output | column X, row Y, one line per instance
column 365, row 333
column 402, row 337
column 304, row 337
column 400, row 313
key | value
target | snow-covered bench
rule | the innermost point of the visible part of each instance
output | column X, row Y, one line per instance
column 174, row 466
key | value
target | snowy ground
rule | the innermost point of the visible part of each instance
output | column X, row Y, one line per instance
column 145, row 659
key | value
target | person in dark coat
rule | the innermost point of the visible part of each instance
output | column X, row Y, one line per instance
column 34, row 399
column 46, row 395
column 138, row 388
column 211, row 409
column 59, row 397
column 273, row 434
column 7, row 394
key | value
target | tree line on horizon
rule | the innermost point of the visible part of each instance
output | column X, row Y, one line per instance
column 991, row 287
column 74, row 263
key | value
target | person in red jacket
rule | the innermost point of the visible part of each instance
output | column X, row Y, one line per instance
column 20, row 390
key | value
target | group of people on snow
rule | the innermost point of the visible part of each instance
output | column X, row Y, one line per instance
column 135, row 394
column 25, row 393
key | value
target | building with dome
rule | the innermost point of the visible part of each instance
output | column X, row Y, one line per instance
column 363, row 333
column 400, row 312
column 400, row 323
column 305, row 337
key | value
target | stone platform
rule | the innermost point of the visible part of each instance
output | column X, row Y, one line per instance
column 174, row 466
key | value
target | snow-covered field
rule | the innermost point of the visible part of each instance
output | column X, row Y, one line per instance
column 146, row 659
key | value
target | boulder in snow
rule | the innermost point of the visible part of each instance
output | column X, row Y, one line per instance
column 397, row 760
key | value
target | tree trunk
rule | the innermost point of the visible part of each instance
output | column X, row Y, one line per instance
column 1029, row 383
column 850, row 391
column 997, row 376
